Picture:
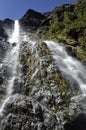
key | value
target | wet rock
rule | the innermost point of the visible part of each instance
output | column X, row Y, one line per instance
column 4, row 45
column 70, row 51
column 14, row 44
column 19, row 86
column 45, row 99
column 22, row 112
column 79, row 123
column 7, row 123
column 39, row 113
column 1, row 80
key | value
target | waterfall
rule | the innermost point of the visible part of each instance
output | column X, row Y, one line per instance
column 13, row 57
column 69, row 66
column 15, row 35
column 12, row 62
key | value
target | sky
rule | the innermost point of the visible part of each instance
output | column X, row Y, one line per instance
column 15, row 9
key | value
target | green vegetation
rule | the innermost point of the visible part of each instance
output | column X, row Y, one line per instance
column 72, row 26
column 43, row 81
column 67, row 24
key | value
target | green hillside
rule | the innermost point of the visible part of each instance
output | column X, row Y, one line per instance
column 67, row 24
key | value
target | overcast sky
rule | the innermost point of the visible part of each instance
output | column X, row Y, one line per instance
column 15, row 9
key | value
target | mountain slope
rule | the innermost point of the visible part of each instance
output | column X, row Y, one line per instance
column 49, row 85
column 66, row 23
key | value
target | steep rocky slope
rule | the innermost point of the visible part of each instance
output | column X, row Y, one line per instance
column 44, row 99
column 65, row 24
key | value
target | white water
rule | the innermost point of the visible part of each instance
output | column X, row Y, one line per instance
column 68, row 65
column 15, row 35
column 13, row 57
column 11, row 60
column 3, row 105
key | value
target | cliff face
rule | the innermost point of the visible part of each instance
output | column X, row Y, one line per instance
column 44, row 98
column 32, row 19
column 65, row 24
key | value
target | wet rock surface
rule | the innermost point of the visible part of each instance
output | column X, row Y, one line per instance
column 44, row 99
column 25, row 113
column 4, row 47
column 47, row 85
column 78, row 123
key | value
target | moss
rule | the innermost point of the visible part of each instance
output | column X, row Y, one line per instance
column 71, row 30
column 63, row 86
column 56, row 77
column 53, row 107
column 1, row 96
column 43, row 50
column 81, row 54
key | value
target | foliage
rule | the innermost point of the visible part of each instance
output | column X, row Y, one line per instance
column 72, row 26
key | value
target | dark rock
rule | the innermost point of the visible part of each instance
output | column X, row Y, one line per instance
column 9, row 123
column 3, row 47
column 6, row 71
column 46, row 14
column 23, row 112
column 3, row 33
column 1, row 80
column 70, row 51
column 32, row 19
column 33, row 14
column 19, row 86
column 14, row 44
column 42, row 97
column 74, row 33
column 46, row 22
column 1, row 52
column 78, row 123
column 8, row 23
column 39, row 113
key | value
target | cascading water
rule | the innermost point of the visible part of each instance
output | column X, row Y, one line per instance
column 69, row 66
column 13, row 57
column 42, row 96
column 11, row 60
